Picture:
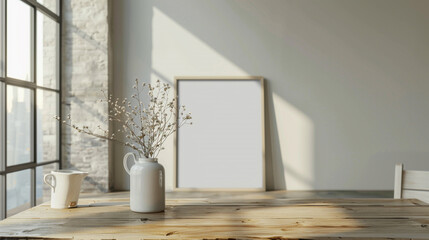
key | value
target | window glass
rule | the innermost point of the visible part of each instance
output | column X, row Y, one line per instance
column 29, row 133
column 43, row 191
column 19, row 125
column 18, row 193
column 53, row 5
column 47, row 126
column 47, row 51
column 19, row 40
column 2, row 197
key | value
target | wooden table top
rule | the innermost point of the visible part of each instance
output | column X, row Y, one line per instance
column 265, row 215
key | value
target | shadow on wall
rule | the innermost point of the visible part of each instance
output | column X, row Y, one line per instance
column 128, row 60
column 341, row 87
column 297, row 139
column 90, row 182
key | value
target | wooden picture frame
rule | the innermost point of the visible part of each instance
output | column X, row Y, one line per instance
column 233, row 82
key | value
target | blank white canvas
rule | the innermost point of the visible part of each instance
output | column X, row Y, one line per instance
column 223, row 147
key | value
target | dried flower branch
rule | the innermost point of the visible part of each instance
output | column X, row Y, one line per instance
column 145, row 127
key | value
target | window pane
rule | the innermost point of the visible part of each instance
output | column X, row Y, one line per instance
column 2, row 197
column 52, row 5
column 2, row 38
column 19, row 40
column 47, row 51
column 18, row 191
column 19, row 125
column 47, row 126
column 43, row 191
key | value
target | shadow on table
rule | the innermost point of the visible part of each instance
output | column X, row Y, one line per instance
column 236, row 215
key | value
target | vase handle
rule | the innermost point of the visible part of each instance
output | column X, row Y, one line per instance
column 126, row 161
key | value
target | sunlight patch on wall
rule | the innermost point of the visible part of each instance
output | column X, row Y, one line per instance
column 178, row 52
column 173, row 56
column 296, row 137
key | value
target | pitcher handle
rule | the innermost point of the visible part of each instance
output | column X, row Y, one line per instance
column 45, row 179
column 126, row 161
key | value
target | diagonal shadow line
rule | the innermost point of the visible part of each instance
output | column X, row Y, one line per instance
column 89, row 39
column 275, row 162
column 88, row 109
column 89, row 179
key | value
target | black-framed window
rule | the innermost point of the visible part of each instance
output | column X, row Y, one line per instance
column 30, row 93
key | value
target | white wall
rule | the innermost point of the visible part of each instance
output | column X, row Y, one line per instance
column 348, row 84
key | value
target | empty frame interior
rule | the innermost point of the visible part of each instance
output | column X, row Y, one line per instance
column 224, row 148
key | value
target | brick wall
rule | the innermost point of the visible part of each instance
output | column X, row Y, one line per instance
column 85, row 73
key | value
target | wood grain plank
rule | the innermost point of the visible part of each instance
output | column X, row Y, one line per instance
column 218, row 228
column 261, row 202
column 222, row 216
column 265, row 202
column 290, row 194
column 226, row 211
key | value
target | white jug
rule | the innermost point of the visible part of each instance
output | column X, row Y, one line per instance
column 147, row 190
column 65, row 185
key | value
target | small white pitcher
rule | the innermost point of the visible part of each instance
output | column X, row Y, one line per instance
column 147, row 184
column 65, row 185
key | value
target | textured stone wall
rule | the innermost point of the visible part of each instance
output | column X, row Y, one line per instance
column 85, row 74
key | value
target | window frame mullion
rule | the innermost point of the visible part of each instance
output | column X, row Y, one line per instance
column 2, row 150
column 45, row 10
column 32, row 85
column 34, row 122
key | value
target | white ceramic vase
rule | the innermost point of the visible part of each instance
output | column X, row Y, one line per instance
column 147, row 184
